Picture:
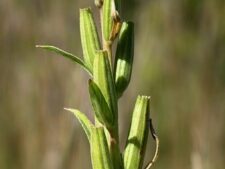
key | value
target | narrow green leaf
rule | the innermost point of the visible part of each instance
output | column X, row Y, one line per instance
column 124, row 57
column 101, row 108
column 89, row 36
column 102, row 76
column 84, row 121
column 108, row 9
column 138, row 134
column 100, row 156
column 67, row 55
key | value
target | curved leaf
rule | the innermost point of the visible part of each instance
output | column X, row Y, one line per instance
column 67, row 55
column 84, row 121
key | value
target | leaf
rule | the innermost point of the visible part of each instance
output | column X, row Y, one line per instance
column 100, row 156
column 138, row 134
column 101, row 108
column 124, row 57
column 67, row 55
column 102, row 76
column 84, row 121
column 89, row 36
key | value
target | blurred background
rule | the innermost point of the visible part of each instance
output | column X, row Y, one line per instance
column 179, row 61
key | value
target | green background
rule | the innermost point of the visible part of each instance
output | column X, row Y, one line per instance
column 179, row 61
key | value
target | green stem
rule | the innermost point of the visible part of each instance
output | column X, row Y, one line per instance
column 108, row 47
column 114, row 149
column 112, row 135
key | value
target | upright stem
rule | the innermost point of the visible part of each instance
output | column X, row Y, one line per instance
column 113, row 136
column 115, row 149
column 108, row 47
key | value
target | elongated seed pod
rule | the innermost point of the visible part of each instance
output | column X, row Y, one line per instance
column 102, row 76
column 101, row 108
column 89, row 36
column 108, row 9
column 138, row 134
column 124, row 57
column 100, row 156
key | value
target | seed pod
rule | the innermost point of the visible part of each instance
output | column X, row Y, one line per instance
column 124, row 57
column 108, row 7
column 89, row 36
column 102, row 76
column 138, row 134
column 100, row 106
column 100, row 156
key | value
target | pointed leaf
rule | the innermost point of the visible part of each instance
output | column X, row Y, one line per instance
column 67, row 55
column 89, row 36
column 101, row 108
column 84, row 121
column 102, row 76
column 124, row 57
column 100, row 156
column 138, row 134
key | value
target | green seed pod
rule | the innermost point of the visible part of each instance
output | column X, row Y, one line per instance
column 102, row 76
column 108, row 8
column 138, row 135
column 100, row 156
column 100, row 106
column 89, row 36
column 124, row 57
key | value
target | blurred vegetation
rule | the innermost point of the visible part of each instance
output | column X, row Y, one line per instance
column 179, row 61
